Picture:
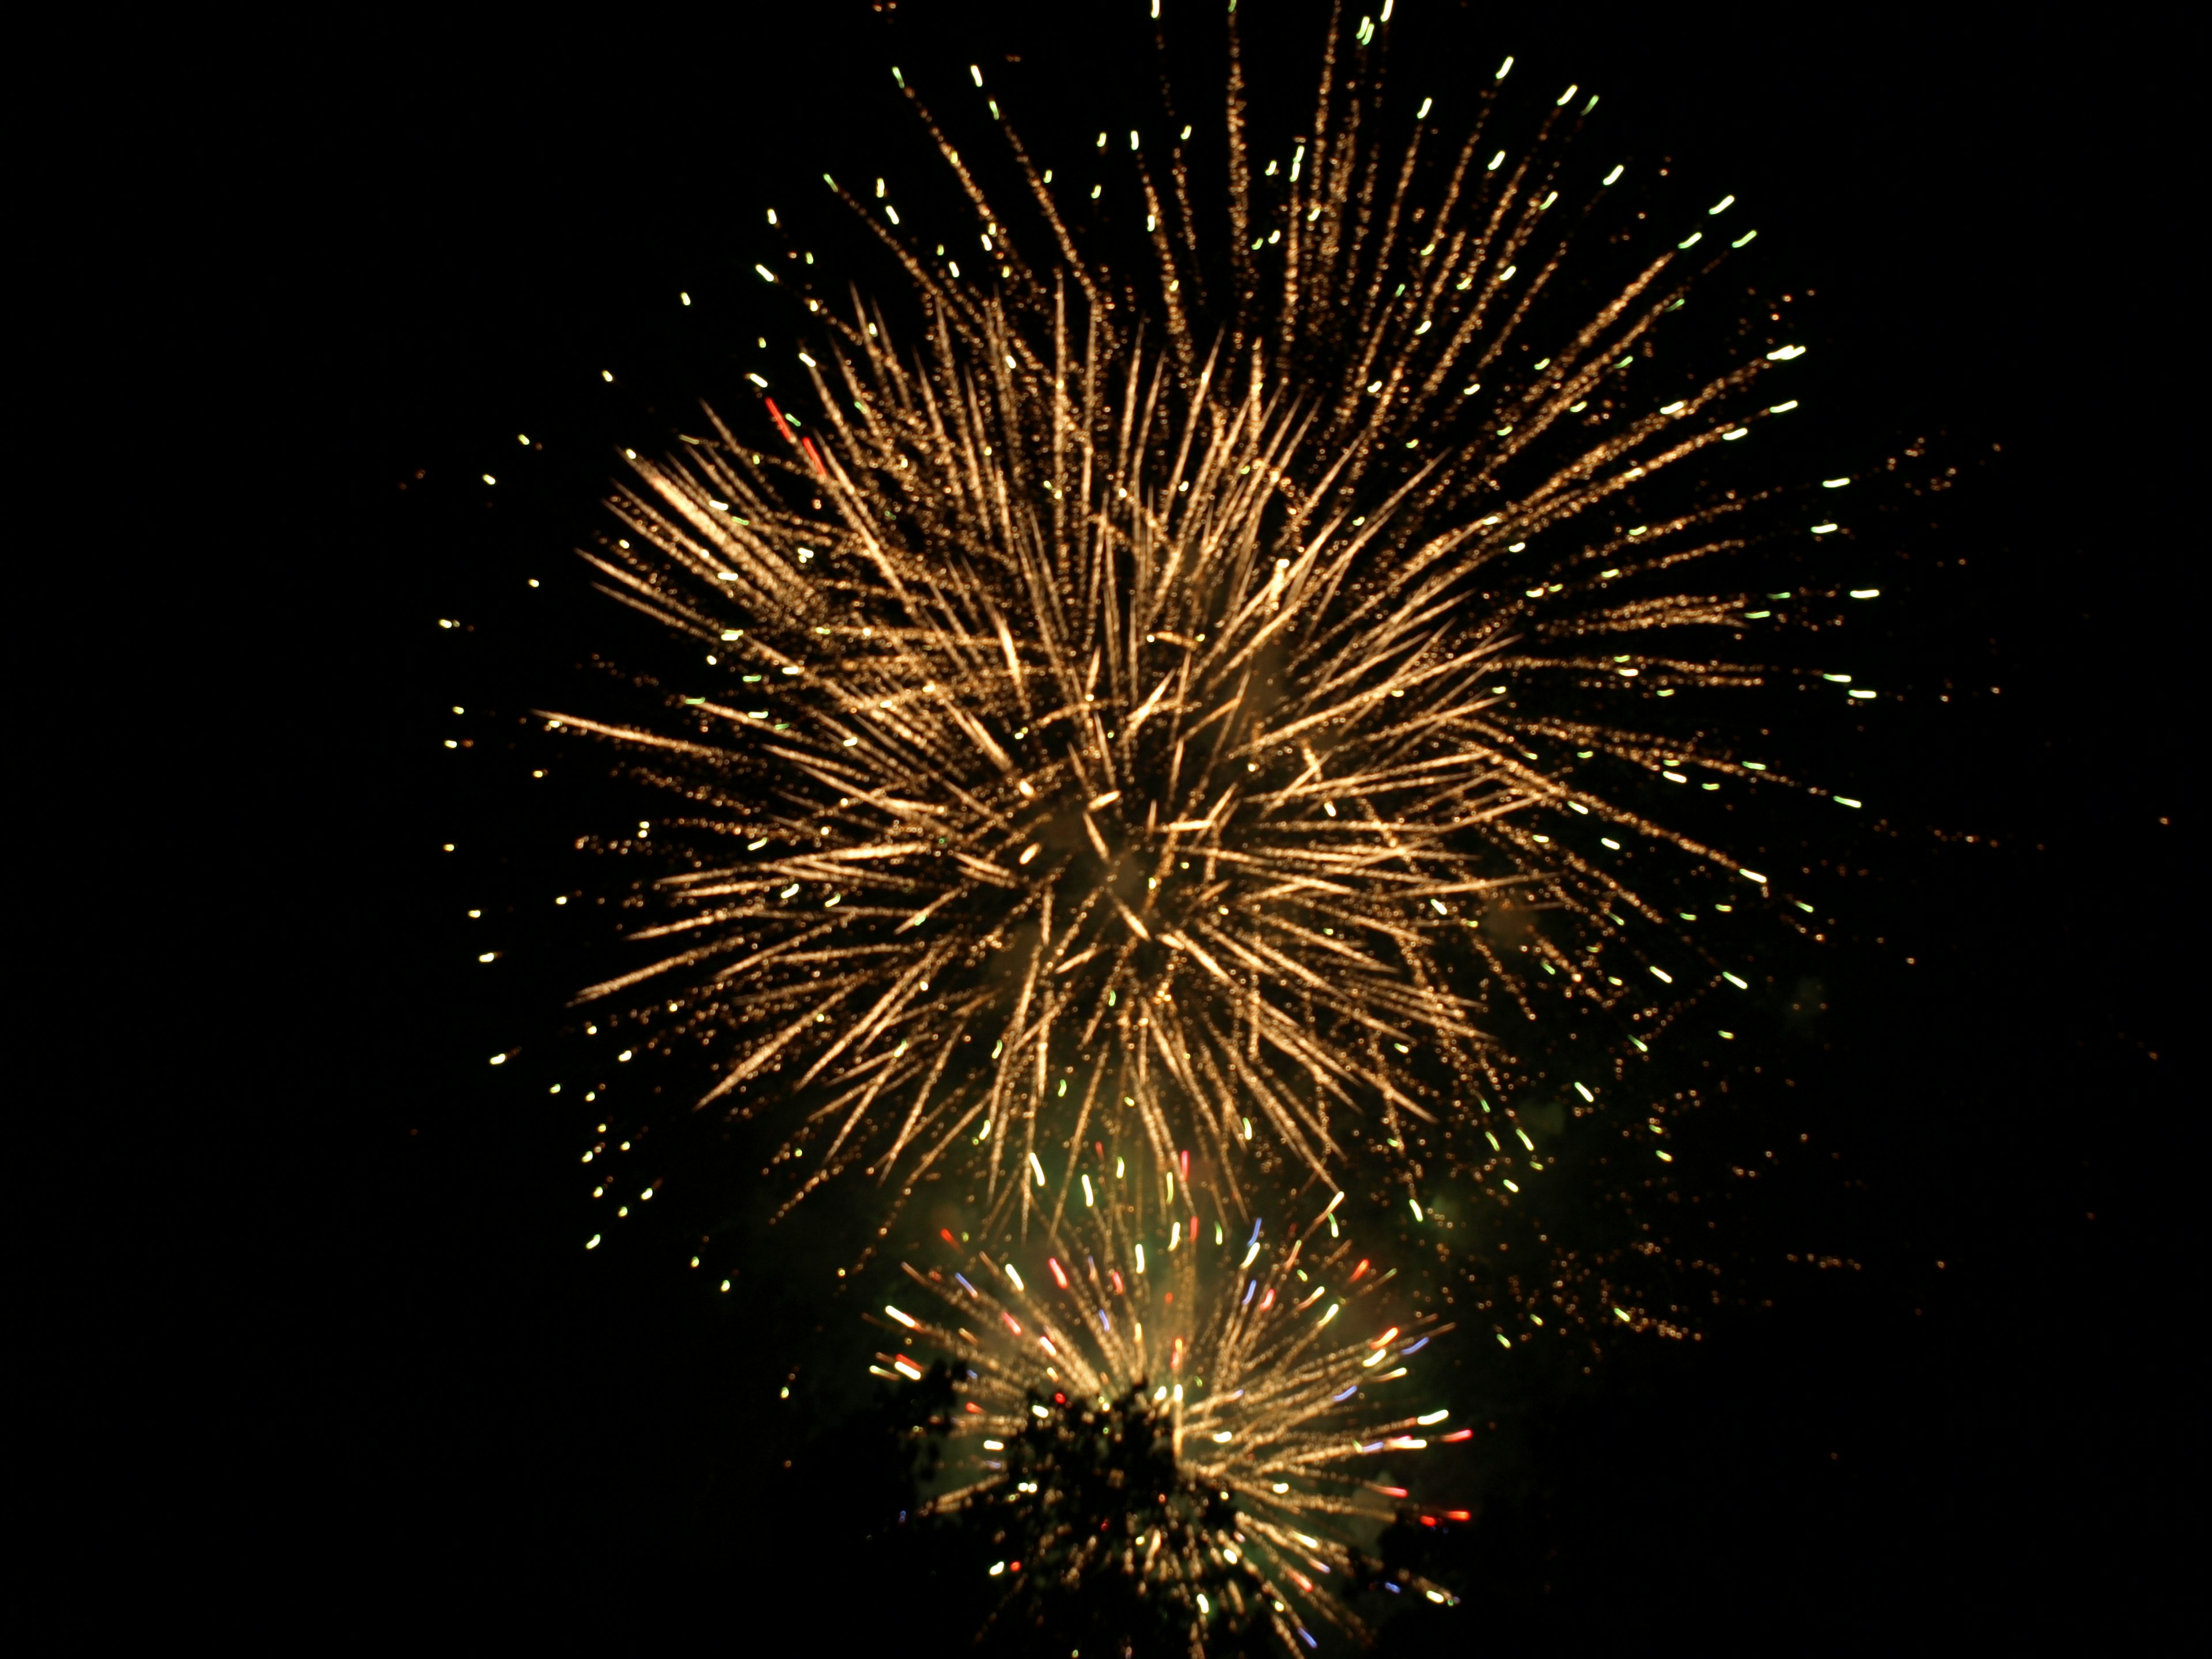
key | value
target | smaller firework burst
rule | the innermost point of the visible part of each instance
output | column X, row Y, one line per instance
column 1178, row 1441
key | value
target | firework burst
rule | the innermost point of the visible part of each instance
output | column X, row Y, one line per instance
column 1155, row 709
column 1190, row 1438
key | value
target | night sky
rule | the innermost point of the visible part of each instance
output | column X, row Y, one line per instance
column 1918, row 1404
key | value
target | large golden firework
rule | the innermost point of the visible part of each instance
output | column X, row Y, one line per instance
column 1154, row 708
